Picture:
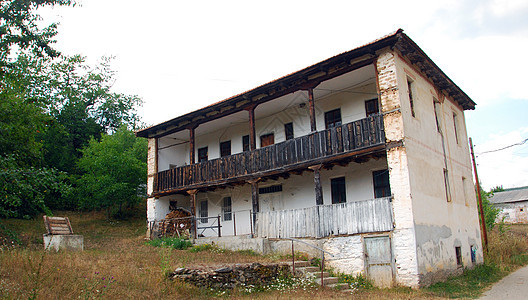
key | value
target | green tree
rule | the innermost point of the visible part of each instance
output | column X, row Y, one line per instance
column 20, row 30
column 490, row 212
column 115, row 171
column 25, row 191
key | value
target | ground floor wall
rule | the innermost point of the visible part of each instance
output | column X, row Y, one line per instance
column 297, row 191
column 513, row 213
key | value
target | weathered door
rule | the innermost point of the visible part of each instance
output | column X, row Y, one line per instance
column 270, row 202
column 378, row 257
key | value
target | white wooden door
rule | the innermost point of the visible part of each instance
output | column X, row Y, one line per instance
column 378, row 257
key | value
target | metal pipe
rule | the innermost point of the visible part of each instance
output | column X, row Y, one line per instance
column 219, row 234
column 234, row 224
column 322, row 270
column 293, row 259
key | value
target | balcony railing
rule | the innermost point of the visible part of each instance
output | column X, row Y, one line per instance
column 284, row 156
column 373, row 215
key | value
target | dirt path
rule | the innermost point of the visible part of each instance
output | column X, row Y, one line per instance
column 513, row 286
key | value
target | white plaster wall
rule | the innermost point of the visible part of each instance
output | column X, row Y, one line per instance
column 177, row 155
column 298, row 192
column 348, row 254
column 403, row 239
column 513, row 212
column 351, row 103
column 440, row 225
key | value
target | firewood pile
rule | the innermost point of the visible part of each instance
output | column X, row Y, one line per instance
column 177, row 223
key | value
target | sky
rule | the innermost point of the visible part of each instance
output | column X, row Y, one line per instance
column 179, row 56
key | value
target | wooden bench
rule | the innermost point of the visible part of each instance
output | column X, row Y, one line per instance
column 58, row 225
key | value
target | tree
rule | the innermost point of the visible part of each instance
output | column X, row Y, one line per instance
column 115, row 171
column 19, row 30
column 490, row 212
column 25, row 191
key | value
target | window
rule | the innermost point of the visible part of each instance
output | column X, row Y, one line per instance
column 410, row 85
column 464, row 191
column 288, row 130
column 338, row 190
column 333, row 118
column 458, row 253
column 371, row 107
column 436, row 107
column 226, row 209
column 446, row 185
column 271, row 189
column 455, row 126
column 202, row 154
column 473, row 253
column 173, row 205
column 245, row 143
column 381, row 183
column 225, row 148
column 267, row 139
column 204, row 212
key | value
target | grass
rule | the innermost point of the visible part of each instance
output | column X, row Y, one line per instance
column 118, row 264
column 507, row 251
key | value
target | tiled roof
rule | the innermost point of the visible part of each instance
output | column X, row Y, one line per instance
column 289, row 83
column 509, row 196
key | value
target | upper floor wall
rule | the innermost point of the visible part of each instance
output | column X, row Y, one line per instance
column 347, row 94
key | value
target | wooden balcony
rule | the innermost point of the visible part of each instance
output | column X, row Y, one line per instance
column 355, row 138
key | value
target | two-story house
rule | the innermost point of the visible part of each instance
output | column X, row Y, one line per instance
column 364, row 154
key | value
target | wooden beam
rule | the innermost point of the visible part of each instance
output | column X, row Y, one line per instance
column 311, row 107
column 252, row 137
column 193, row 193
column 192, row 159
column 317, row 184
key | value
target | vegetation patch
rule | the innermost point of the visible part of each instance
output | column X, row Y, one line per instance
column 174, row 243
column 470, row 284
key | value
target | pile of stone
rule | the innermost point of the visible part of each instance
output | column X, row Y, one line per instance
column 229, row 277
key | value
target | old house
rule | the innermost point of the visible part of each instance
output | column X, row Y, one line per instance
column 513, row 205
column 364, row 155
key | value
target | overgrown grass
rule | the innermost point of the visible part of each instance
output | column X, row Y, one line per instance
column 507, row 251
column 115, row 250
column 174, row 243
column 470, row 284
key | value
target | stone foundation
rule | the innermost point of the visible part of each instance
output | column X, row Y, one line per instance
column 229, row 277
column 63, row 242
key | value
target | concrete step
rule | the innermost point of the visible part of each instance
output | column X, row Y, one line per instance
column 340, row 286
column 309, row 269
column 317, row 274
column 327, row 280
column 299, row 263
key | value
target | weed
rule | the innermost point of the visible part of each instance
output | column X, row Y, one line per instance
column 315, row 262
column 165, row 258
column 470, row 283
column 174, row 243
column 207, row 247
column 96, row 286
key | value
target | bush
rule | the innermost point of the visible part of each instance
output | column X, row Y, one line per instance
column 174, row 243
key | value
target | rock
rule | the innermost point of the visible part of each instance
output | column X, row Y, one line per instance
column 179, row 271
column 224, row 270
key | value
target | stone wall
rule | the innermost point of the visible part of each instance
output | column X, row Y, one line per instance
column 255, row 274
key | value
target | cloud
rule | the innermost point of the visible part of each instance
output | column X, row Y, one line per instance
column 508, row 167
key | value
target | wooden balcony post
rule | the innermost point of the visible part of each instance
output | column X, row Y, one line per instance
column 192, row 159
column 193, row 193
column 317, row 183
column 252, row 137
column 311, row 106
column 254, row 199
